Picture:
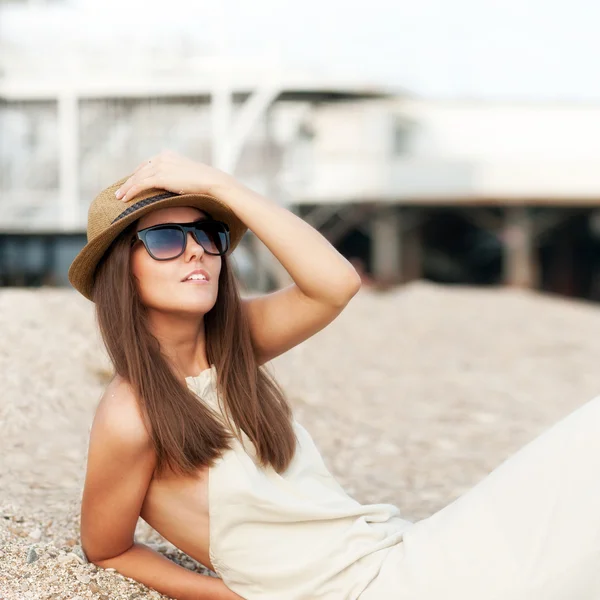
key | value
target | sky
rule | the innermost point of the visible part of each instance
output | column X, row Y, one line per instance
column 506, row 50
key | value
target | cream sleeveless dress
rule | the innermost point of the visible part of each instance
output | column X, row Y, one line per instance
column 291, row 536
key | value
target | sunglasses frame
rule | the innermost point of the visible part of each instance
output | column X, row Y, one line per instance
column 185, row 228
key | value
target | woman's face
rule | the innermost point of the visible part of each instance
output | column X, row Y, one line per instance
column 161, row 283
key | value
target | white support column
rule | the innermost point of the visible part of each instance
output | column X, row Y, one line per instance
column 229, row 134
column 267, row 261
column 256, row 107
column 221, row 117
column 521, row 267
column 411, row 244
column 68, row 128
column 386, row 244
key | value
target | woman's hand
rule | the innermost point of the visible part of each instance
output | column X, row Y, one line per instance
column 175, row 173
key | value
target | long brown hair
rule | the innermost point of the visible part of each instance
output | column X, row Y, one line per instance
column 184, row 432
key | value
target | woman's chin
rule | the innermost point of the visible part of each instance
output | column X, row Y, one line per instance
column 196, row 302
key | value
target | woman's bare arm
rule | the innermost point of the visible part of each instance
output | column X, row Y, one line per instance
column 121, row 461
column 158, row 572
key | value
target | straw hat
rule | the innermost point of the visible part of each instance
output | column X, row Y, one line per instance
column 108, row 217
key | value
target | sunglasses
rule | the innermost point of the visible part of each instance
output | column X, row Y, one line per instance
column 169, row 240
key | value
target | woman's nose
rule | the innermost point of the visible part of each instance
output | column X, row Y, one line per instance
column 193, row 247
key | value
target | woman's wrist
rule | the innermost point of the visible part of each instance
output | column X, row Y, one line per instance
column 221, row 592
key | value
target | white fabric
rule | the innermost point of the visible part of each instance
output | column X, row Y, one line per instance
column 291, row 536
column 529, row 530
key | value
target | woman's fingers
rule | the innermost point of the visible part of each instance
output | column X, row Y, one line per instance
column 140, row 176
column 148, row 174
column 137, row 185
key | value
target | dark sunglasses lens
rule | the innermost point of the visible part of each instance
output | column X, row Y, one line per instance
column 212, row 237
column 165, row 243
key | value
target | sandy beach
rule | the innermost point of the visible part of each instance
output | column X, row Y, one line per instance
column 413, row 395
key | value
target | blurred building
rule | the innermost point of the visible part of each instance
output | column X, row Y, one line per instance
column 458, row 191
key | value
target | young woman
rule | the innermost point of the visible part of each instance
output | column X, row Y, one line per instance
column 194, row 437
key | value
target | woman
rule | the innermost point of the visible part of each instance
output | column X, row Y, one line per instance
column 193, row 436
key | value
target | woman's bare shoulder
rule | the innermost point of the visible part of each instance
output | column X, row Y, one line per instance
column 119, row 410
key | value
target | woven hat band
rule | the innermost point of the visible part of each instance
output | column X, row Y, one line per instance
column 141, row 204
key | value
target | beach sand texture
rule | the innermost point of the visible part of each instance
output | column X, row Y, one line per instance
column 413, row 395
